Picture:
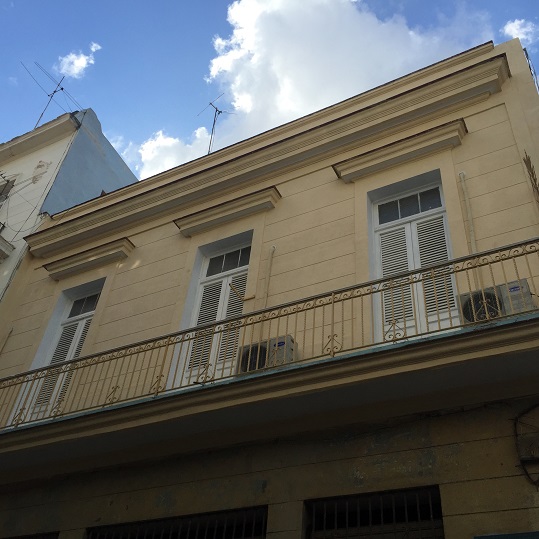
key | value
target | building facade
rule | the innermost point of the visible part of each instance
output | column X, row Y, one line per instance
column 328, row 330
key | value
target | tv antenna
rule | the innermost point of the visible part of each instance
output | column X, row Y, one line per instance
column 58, row 88
column 217, row 112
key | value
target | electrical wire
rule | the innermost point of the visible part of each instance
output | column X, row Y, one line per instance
column 28, row 71
column 66, row 93
column 43, row 195
column 51, row 96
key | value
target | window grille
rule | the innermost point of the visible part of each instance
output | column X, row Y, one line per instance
column 5, row 188
column 401, row 514
column 52, row 535
column 241, row 524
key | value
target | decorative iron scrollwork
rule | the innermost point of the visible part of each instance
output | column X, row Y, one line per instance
column 333, row 345
column 206, row 375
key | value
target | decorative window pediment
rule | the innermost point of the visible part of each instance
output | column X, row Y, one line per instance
column 214, row 216
column 440, row 138
column 89, row 259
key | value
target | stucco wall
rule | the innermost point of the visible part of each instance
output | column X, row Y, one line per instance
column 20, row 212
column 91, row 166
column 471, row 455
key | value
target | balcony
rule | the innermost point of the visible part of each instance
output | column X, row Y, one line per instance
column 358, row 325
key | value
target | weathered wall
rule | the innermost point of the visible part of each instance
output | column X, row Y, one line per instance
column 20, row 212
column 471, row 455
column 91, row 166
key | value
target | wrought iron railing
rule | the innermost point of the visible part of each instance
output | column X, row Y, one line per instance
column 466, row 292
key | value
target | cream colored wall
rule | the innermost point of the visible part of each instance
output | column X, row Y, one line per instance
column 320, row 229
column 470, row 454
column 502, row 207
column 313, row 234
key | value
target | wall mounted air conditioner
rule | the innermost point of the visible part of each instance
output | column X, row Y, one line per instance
column 502, row 300
column 276, row 351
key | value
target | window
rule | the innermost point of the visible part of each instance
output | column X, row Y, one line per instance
column 221, row 294
column 67, row 330
column 240, row 524
column 399, row 514
column 411, row 233
column 5, row 188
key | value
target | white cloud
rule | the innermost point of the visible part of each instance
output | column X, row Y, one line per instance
column 526, row 31
column 283, row 60
column 161, row 152
column 287, row 58
column 75, row 64
column 13, row 81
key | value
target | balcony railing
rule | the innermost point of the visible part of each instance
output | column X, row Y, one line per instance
column 475, row 291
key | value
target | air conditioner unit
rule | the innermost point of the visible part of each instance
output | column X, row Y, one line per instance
column 276, row 351
column 502, row 300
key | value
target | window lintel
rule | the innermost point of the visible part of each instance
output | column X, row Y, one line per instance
column 232, row 210
column 89, row 259
column 443, row 137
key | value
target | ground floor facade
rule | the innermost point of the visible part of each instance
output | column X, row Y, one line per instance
column 457, row 474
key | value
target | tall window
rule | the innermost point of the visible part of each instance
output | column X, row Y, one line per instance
column 411, row 233
column 221, row 295
column 68, row 345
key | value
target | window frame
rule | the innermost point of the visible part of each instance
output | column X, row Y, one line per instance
column 421, row 320
column 59, row 316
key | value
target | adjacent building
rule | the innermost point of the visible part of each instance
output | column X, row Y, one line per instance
column 50, row 169
column 327, row 330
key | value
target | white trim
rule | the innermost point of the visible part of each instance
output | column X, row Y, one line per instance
column 203, row 254
column 60, row 315
column 400, row 190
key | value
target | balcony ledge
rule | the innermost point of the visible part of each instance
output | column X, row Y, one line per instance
column 464, row 367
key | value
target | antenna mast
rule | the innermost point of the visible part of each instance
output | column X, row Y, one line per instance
column 51, row 95
column 59, row 88
column 216, row 113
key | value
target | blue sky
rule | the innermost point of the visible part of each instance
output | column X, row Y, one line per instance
column 148, row 69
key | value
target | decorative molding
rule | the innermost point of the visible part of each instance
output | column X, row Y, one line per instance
column 5, row 248
column 440, row 138
column 200, row 221
column 290, row 148
column 41, row 136
column 89, row 259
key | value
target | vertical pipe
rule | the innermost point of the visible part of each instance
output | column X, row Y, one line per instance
column 471, row 229
column 268, row 274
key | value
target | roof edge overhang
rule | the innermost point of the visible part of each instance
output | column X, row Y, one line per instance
column 350, row 130
column 39, row 137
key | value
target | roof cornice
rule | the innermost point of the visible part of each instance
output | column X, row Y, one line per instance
column 194, row 182
column 42, row 136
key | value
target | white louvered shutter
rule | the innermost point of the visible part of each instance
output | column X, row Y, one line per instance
column 69, row 347
column 438, row 293
column 395, row 259
column 234, row 307
column 210, row 304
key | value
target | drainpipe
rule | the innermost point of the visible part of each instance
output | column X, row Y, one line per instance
column 268, row 273
column 471, row 230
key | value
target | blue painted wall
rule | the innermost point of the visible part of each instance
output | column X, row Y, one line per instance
column 90, row 166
